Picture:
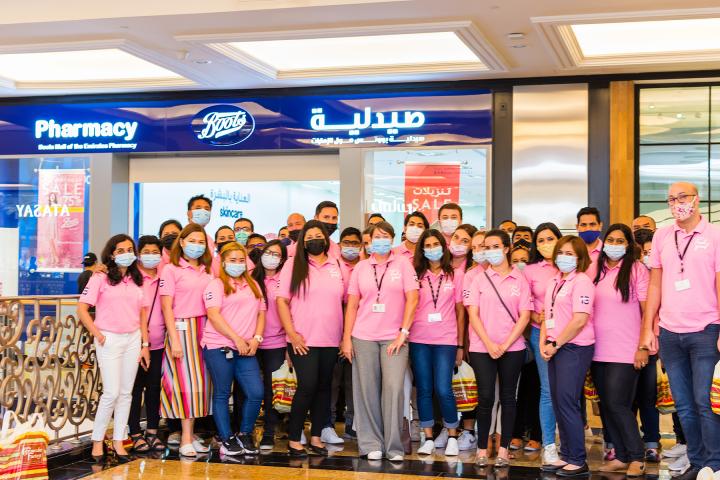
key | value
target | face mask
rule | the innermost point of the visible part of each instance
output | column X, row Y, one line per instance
column 330, row 227
column 495, row 257
column 589, row 236
column 285, row 241
column 150, row 260
column 523, row 243
column 270, row 262
column 521, row 265
column 234, row 269
column 614, row 252
column 315, row 247
column 381, row 246
column 449, row 226
column 458, row 250
column 566, row 263
column 255, row 255
column 350, row 253
column 412, row 234
column 479, row 257
column 294, row 234
column 646, row 261
column 433, row 254
column 683, row 211
column 194, row 250
column 168, row 240
column 547, row 249
column 241, row 237
column 125, row 259
column 201, row 216
column 222, row 244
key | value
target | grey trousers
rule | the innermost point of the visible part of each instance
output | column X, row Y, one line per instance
column 379, row 396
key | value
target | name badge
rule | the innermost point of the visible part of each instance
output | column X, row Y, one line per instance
column 229, row 354
column 181, row 326
column 550, row 323
column 681, row 285
column 378, row 308
column 434, row 317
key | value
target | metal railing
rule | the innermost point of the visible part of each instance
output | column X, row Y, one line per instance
column 48, row 364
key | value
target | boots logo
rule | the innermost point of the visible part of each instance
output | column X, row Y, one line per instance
column 223, row 125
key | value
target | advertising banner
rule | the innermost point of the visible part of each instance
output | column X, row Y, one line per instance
column 428, row 186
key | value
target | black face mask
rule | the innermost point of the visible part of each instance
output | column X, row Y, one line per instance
column 286, row 241
column 315, row 247
column 523, row 243
column 168, row 240
column 294, row 235
column 256, row 255
column 330, row 227
column 222, row 244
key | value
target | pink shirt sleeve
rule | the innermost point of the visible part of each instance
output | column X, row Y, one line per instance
column 410, row 280
column 459, row 279
column 353, row 286
column 167, row 281
column 526, row 298
column 642, row 280
column 583, row 294
column 213, row 294
column 283, row 289
column 655, row 261
column 472, row 293
column 92, row 290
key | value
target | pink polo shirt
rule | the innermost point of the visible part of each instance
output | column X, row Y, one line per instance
column 574, row 294
column 617, row 324
column 692, row 309
column 346, row 268
column 538, row 276
column 156, row 322
column 399, row 278
column 117, row 307
column 274, row 334
column 239, row 309
column 317, row 309
column 437, row 325
column 186, row 284
column 594, row 255
column 468, row 278
column 402, row 251
column 515, row 291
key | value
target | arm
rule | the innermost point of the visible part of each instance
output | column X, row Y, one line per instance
column 652, row 306
column 476, row 324
column 83, row 311
column 460, row 314
column 169, row 316
column 297, row 340
column 517, row 330
column 350, row 316
column 577, row 323
column 642, row 354
column 259, row 329
column 543, row 339
column 145, row 352
column 411, row 302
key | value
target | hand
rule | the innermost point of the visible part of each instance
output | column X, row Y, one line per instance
column 100, row 338
column 144, row 358
column 175, row 348
column 648, row 340
column 346, row 349
column 459, row 356
column 496, row 351
column 547, row 352
column 641, row 359
column 242, row 346
column 253, row 344
column 298, row 344
column 396, row 345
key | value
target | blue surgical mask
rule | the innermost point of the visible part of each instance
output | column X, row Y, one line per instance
column 479, row 257
column 381, row 246
column 234, row 269
column 242, row 237
column 566, row 263
column 150, row 260
column 614, row 252
column 495, row 257
column 589, row 236
column 433, row 254
column 201, row 216
column 521, row 266
column 125, row 259
column 350, row 253
column 194, row 250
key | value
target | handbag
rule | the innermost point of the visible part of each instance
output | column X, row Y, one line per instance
column 589, row 389
column 464, row 387
column 284, row 384
column 664, row 403
column 715, row 390
column 529, row 357
column 23, row 449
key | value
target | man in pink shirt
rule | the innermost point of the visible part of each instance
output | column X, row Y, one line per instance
column 684, row 284
column 589, row 228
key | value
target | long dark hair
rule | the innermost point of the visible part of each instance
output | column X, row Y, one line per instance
column 470, row 230
column 113, row 271
column 422, row 264
column 535, row 256
column 300, row 270
column 622, row 282
column 258, row 272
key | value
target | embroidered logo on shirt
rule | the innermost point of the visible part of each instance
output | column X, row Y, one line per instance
column 448, row 286
column 584, row 300
column 208, row 296
column 466, row 294
column 701, row 244
column 514, row 291
column 395, row 275
column 85, row 290
column 335, row 273
column 162, row 283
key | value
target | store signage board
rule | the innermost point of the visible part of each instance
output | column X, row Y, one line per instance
column 409, row 119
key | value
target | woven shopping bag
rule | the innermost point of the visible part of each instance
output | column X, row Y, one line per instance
column 23, row 448
column 715, row 390
column 464, row 388
column 284, row 384
column 589, row 389
column 664, row 403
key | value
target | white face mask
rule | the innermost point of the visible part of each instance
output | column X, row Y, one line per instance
column 412, row 233
column 449, row 225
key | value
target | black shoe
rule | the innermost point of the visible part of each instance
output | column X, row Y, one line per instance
column 124, row 459
column 322, row 451
column 99, row 459
column 551, row 468
column 231, row 447
column 267, row 442
column 349, row 434
column 584, row 470
column 690, row 474
column 297, row 452
column 248, row 444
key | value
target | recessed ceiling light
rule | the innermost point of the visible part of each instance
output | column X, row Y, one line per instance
column 520, row 45
column 516, row 36
column 202, row 61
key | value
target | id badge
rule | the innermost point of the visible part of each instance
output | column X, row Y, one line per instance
column 378, row 308
column 681, row 285
column 229, row 354
column 550, row 323
column 181, row 326
column 434, row 317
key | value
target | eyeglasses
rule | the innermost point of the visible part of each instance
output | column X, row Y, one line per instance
column 257, row 245
column 272, row 254
column 244, row 229
column 682, row 198
column 347, row 243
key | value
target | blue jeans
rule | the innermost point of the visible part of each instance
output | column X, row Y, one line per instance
column 547, row 414
column 433, row 367
column 690, row 359
column 247, row 373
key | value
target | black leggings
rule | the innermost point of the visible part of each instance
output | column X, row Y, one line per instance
column 507, row 368
column 314, row 377
column 527, row 419
column 270, row 360
column 149, row 383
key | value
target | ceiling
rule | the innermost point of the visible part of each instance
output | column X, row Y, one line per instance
column 183, row 37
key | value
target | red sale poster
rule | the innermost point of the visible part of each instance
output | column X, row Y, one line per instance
column 428, row 186
column 60, row 220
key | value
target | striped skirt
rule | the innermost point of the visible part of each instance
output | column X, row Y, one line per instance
column 186, row 390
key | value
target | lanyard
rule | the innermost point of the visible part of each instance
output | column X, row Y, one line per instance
column 435, row 295
column 378, row 284
column 555, row 293
column 681, row 256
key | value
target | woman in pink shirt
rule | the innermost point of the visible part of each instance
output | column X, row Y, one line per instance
column 382, row 298
column 310, row 304
column 435, row 336
column 185, row 385
column 566, row 339
column 232, row 335
column 271, row 353
column 499, row 306
column 120, row 329
column 460, row 247
column 620, row 292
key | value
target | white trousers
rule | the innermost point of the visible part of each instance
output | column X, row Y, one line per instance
column 118, row 363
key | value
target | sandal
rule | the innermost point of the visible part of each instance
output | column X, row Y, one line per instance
column 137, row 446
column 154, row 443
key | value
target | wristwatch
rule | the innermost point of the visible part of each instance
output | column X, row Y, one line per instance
column 551, row 342
column 145, row 344
column 404, row 331
column 258, row 338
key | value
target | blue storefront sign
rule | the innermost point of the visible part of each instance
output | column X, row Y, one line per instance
column 407, row 119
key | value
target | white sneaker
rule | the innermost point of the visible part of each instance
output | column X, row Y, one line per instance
column 451, row 450
column 705, row 473
column 427, row 448
column 199, row 447
column 303, row 438
column 680, row 464
column 375, row 455
column 550, row 455
column 329, row 435
column 174, row 438
column 677, row 451
column 442, row 439
column 467, row 441
column 397, row 458
column 415, row 431
column 188, row 451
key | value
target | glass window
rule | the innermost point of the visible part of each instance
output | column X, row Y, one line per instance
column 663, row 165
column 674, row 115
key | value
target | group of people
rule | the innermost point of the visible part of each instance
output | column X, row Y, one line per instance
column 185, row 320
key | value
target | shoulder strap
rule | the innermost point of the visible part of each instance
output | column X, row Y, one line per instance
column 500, row 297
column 154, row 298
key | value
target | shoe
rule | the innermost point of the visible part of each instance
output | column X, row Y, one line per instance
column 637, row 469
column 303, row 438
column 297, row 452
column 614, row 466
column 442, row 439
column 248, row 443
column 706, row 473
column 552, row 468
column 329, row 435
column 200, row 447
column 187, row 450
column 415, row 431
column 532, row 446
column 609, row 455
column 349, row 433
column 584, row 470
column 427, row 448
column 481, row 462
column 232, row 447
column 680, row 464
column 321, row 451
column 467, row 441
column 375, row 455
column 677, row 451
column 267, row 442
column 122, row 459
column 652, row 455
column 451, row 449
column 502, row 462
column 690, row 474
column 550, row 454
column 516, row 444
column 174, row 438
column 397, row 458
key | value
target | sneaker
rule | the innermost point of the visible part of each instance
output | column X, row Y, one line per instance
column 215, row 442
column 677, row 451
column 706, row 473
column 427, row 448
column 200, row 447
column 231, row 447
column 175, row 437
column 349, row 433
column 415, row 431
column 652, row 455
column 375, row 455
column 532, row 446
column 609, row 455
column 248, row 444
column 397, row 458
column 516, row 444
column 329, row 435
column 452, row 450
column 442, row 439
column 267, row 442
column 679, row 464
column 467, row 441
column 303, row 438
column 550, row 455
